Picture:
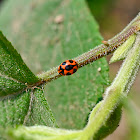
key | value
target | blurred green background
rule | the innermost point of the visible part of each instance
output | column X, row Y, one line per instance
column 113, row 16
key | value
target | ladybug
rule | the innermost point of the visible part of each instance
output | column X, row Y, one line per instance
column 68, row 67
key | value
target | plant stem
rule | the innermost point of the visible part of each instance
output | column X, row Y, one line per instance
column 96, row 53
column 117, row 91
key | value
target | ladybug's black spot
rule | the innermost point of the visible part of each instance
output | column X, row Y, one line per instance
column 69, row 67
column 68, row 73
column 74, row 70
column 64, row 63
column 71, row 61
column 62, row 72
column 60, row 68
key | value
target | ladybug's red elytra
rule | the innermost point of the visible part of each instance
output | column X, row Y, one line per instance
column 68, row 67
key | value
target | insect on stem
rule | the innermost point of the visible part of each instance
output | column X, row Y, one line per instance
column 102, row 50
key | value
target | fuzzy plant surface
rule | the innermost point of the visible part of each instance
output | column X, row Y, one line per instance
column 45, row 43
column 47, row 33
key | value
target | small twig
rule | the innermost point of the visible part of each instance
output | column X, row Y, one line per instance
column 96, row 53
column 117, row 91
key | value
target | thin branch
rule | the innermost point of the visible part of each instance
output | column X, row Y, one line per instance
column 117, row 91
column 96, row 53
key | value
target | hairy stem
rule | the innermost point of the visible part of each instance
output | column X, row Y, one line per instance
column 96, row 53
column 117, row 91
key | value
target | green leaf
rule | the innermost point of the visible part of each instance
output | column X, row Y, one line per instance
column 13, row 71
column 44, row 43
column 13, row 110
column 27, row 108
column 39, row 112
column 123, row 50
column 48, row 133
column 15, row 103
